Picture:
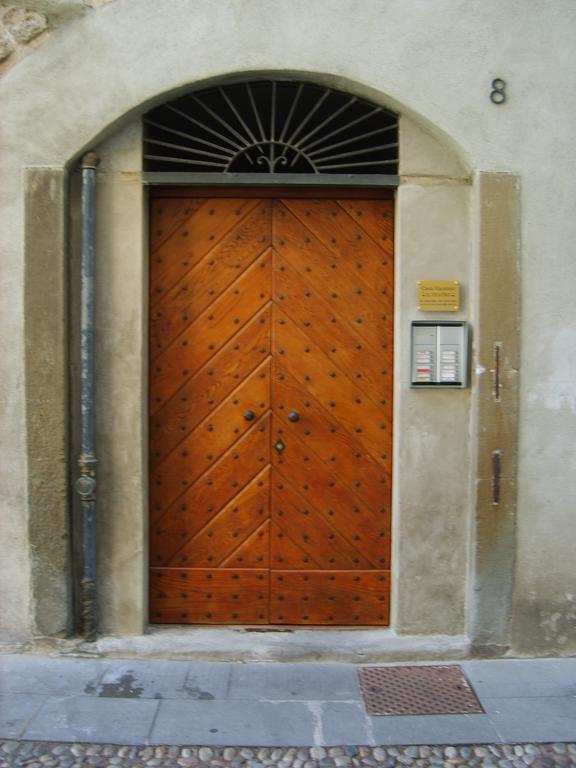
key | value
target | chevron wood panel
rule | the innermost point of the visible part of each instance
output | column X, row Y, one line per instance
column 376, row 219
column 365, row 529
column 165, row 219
column 191, row 239
column 356, row 295
column 271, row 410
column 230, row 528
column 205, row 443
column 254, row 552
column 310, row 364
column 341, row 343
column 305, row 537
column 212, row 330
column 201, row 501
column 329, row 440
column 201, row 284
column 199, row 394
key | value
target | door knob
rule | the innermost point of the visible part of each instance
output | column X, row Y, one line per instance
column 293, row 416
column 249, row 415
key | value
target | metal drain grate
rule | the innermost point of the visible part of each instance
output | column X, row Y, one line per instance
column 429, row 690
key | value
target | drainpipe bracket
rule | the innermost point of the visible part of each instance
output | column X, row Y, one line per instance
column 86, row 486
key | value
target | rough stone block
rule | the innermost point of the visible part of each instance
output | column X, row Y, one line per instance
column 6, row 45
column 25, row 25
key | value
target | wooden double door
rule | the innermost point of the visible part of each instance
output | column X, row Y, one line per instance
column 270, row 409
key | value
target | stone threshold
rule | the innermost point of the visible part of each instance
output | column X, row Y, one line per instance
column 267, row 645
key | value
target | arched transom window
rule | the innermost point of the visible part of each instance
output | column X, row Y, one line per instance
column 273, row 128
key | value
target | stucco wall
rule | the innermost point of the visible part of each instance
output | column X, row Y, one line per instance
column 121, row 384
column 431, row 431
column 433, row 61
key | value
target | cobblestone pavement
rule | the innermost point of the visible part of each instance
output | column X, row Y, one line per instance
column 46, row 754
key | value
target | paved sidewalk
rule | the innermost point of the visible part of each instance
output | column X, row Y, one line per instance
column 157, row 702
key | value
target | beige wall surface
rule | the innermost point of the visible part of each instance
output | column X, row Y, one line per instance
column 431, row 429
column 434, row 63
column 121, row 383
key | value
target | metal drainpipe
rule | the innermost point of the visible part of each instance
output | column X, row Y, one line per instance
column 86, row 480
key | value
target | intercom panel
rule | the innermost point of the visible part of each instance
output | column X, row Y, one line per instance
column 439, row 354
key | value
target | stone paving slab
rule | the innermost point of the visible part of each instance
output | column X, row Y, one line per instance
column 15, row 754
column 49, row 675
column 141, row 680
column 538, row 719
column 348, row 724
column 81, row 718
column 208, row 680
column 451, row 729
column 232, row 722
column 511, row 678
column 16, row 711
column 294, row 682
column 345, row 723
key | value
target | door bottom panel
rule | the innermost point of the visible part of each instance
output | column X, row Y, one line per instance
column 352, row 598
column 209, row 596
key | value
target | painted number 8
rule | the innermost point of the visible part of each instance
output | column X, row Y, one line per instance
column 498, row 92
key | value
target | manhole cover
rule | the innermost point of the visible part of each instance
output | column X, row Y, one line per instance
column 430, row 690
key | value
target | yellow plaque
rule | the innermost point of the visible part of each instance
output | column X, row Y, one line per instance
column 438, row 295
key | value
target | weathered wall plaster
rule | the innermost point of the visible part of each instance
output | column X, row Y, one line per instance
column 122, row 384
column 45, row 289
column 495, row 421
column 432, row 457
column 26, row 24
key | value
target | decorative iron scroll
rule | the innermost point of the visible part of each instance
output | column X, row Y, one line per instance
column 271, row 127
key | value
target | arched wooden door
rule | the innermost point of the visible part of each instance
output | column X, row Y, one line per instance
column 271, row 328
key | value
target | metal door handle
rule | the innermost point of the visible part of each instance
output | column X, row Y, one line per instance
column 293, row 416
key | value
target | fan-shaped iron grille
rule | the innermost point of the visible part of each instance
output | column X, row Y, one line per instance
column 271, row 128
